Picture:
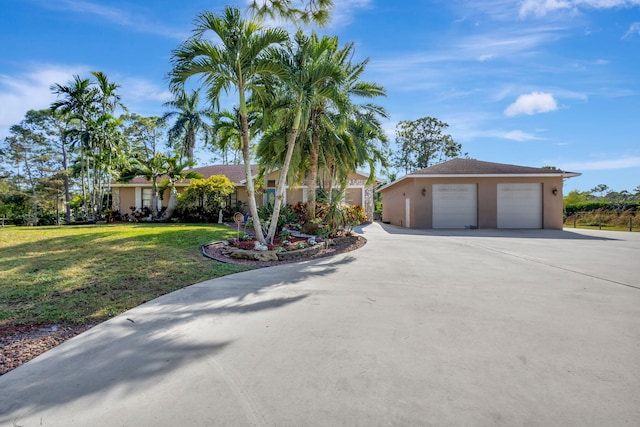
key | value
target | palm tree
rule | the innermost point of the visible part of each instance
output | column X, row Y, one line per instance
column 236, row 64
column 152, row 168
column 309, row 77
column 330, row 120
column 176, row 171
column 226, row 131
column 76, row 103
column 190, row 120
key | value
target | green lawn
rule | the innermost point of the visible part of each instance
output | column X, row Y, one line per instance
column 87, row 274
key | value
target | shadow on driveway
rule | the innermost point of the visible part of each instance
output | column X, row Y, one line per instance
column 136, row 349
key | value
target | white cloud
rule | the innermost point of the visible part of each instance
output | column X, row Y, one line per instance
column 633, row 29
column 135, row 21
column 624, row 163
column 532, row 103
column 518, row 135
column 31, row 90
column 543, row 7
column 26, row 91
column 137, row 89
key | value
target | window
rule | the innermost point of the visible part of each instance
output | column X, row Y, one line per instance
column 146, row 198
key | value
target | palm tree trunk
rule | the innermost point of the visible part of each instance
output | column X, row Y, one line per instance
column 171, row 206
column 313, row 175
column 253, row 208
column 282, row 179
column 67, row 195
column 191, row 143
column 154, row 198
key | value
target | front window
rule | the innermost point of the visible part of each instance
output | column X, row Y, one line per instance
column 146, row 198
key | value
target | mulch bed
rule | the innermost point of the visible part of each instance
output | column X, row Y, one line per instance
column 21, row 343
column 344, row 244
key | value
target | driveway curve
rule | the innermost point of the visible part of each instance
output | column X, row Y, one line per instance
column 442, row 328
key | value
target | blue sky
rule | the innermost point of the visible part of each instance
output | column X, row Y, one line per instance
column 533, row 82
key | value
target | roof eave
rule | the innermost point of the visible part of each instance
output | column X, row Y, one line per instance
column 485, row 175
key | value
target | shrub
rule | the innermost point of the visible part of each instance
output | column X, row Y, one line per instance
column 287, row 214
column 202, row 200
column 355, row 215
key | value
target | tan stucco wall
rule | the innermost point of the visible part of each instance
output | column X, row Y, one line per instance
column 421, row 207
column 127, row 199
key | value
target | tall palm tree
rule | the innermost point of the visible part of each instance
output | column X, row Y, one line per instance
column 76, row 101
column 309, row 78
column 190, row 120
column 237, row 63
column 329, row 120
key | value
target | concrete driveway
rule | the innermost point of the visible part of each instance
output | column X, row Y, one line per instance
column 473, row 328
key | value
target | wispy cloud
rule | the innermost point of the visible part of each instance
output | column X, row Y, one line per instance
column 124, row 18
column 518, row 135
column 344, row 10
column 532, row 103
column 31, row 90
column 544, row 7
column 25, row 91
column 611, row 164
column 634, row 29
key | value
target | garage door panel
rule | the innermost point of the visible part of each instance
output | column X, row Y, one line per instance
column 520, row 205
column 455, row 205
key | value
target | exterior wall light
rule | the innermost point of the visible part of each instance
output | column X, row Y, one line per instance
column 555, row 191
column 424, row 192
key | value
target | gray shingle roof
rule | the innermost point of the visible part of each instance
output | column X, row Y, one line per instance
column 477, row 167
column 470, row 168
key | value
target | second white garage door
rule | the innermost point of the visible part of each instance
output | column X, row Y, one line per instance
column 455, row 205
column 520, row 205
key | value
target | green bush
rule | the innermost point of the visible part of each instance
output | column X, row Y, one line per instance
column 354, row 215
column 604, row 205
column 287, row 215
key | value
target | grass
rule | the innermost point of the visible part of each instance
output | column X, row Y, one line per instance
column 87, row 274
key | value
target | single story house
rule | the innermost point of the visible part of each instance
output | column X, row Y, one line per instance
column 466, row 193
column 136, row 194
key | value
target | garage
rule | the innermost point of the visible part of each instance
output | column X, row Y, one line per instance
column 455, row 205
column 519, row 205
column 466, row 192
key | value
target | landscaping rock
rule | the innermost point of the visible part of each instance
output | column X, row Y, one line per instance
column 253, row 255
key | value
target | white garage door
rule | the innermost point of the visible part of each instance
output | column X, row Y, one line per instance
column 520, row 205
column 455, row 205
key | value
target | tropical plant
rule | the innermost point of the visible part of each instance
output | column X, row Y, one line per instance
column 343, row 134
column 237, row 63
column 176, row 171
column 308, row 77
column 203, row 198
column 189, row 121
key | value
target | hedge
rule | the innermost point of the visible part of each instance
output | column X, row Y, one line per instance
column 604, row 205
